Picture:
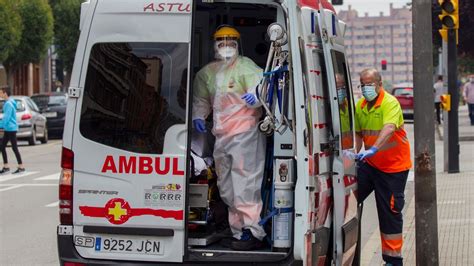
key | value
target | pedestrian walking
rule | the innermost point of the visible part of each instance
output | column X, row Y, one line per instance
column 468, row 94
column 385, row 162
column 438, row 91
column 10, row 127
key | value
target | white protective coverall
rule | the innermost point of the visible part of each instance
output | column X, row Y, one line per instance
column 239, row 150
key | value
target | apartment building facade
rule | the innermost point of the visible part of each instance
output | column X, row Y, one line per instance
column 371, row 39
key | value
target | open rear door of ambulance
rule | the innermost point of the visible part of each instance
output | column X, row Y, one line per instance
column 313, row 192
column 345, row 214
column 130, row 134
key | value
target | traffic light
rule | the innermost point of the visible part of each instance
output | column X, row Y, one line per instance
column 384, row 64
column 445, row 102
column 449, row 14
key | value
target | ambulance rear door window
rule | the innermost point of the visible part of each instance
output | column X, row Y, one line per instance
column 345, row 103
column 131, row 94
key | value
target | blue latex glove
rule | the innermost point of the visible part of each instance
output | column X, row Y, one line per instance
column 249, row 98
column 367, row 153
column 199, row 125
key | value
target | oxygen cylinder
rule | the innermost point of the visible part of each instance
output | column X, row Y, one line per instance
column 283, row 200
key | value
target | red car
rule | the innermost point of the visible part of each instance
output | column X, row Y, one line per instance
column 405, row 96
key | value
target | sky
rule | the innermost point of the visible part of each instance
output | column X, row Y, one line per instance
column 372, row 6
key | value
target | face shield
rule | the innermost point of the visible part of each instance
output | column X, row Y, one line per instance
column 226, row 48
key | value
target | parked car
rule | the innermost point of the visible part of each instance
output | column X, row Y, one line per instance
column 53, row 107
column 31, row 123
column 405, row 96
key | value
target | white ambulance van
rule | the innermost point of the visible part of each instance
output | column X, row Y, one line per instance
column 129, row 189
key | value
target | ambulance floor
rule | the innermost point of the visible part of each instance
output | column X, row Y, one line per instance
column 217, row 247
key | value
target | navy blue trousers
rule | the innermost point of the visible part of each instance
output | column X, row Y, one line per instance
column 389, row 189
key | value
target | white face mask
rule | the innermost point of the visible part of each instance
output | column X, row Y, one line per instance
column 227, row 52
column 369, row 92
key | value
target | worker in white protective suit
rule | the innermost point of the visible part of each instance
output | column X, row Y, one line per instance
column 227, row 87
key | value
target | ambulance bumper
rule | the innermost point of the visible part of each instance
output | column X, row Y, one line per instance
column 68, row 254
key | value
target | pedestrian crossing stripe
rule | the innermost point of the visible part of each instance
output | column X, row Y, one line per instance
column 10, row 188
column 28, row 185
column 10, row 176
column 49, row 177
column 54, row 204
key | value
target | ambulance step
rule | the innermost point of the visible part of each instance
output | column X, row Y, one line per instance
column 258, row 256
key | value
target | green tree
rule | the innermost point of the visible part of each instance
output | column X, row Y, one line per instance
column 466, row 38
column 36, row 35
column 466, row 24
column 67, row 15
column 10, row 28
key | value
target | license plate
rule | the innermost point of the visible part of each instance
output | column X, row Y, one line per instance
column 409, row 111
column 116, row 245
column 50, row 114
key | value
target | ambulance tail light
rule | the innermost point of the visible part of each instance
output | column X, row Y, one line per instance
column 65, row 187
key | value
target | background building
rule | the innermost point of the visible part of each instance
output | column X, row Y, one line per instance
column 29, row 79
column 371, row 39
column 33, row 78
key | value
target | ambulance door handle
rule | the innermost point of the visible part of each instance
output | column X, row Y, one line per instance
column 74, row 92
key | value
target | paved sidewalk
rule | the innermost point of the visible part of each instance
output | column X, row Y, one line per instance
column 455, row 221
column 466, row 131
column 455, row 196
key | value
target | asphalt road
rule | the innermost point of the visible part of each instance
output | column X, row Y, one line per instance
column 29, row 215
column 28, row 207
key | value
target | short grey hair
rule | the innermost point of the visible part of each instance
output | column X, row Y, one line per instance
column 373, row 72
